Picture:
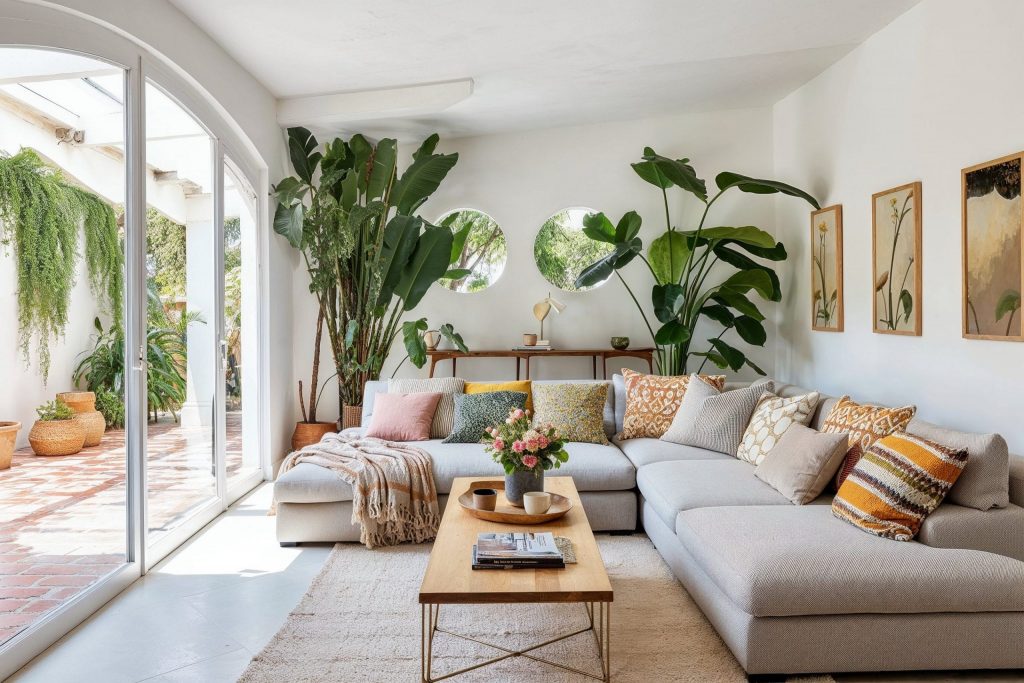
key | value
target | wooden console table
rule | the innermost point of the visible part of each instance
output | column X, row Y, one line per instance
column 525, row 356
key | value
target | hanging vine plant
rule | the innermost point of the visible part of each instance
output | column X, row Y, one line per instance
column 40, row 216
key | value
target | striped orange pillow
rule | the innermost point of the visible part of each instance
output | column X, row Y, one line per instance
column 898, row 482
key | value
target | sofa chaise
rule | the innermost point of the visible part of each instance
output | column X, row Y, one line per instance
column 790, row 589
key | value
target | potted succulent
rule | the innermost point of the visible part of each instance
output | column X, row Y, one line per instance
column 524, row 451
column 8, row 437
column 83, row 403
column 56, row 432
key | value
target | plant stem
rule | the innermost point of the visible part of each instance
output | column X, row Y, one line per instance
column 638, row 306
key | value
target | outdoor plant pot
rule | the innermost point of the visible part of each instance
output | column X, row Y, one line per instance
column 57, row 437
column 351, row 416
column 307, row 433
column 84, row 405
column 8, row 437
column 79, row 401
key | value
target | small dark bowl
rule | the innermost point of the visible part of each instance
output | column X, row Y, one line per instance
column 620, row 343
column 485, row 499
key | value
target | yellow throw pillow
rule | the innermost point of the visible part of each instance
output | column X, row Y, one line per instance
column 487, row 387
column 898, row 482
column 652, row 402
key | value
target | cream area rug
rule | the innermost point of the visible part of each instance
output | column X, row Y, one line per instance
column 360, row 622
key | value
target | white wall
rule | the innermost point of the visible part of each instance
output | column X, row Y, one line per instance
column 935, row 91
column 521, row 179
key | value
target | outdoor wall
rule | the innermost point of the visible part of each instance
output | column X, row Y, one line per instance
column 932, row 93
column 521, row 179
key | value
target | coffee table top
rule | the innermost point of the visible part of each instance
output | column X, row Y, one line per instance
column 450, row 577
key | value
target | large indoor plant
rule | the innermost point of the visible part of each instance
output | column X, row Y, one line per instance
column 697, row 273
column 370, row 258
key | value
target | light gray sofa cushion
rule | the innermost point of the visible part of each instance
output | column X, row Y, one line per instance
column 309, row 483
column 1000, row 530
column 714, row 420
column 645, row 451
column 683, row 485
column 1017, row 480
column 592, row 466
column 785, row 560
column 984, row 483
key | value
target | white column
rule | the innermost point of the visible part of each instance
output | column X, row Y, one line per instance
column 200, row 295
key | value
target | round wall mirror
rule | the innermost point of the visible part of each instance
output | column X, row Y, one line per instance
column 483, row 252
column 562, row 251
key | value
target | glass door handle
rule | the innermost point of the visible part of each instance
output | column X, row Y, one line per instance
column 224, row 354
column 141, row 364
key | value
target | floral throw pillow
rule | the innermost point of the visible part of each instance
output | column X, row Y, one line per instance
column 652, row 402
column 476, row 412
column 772, row 417
column 575, row 410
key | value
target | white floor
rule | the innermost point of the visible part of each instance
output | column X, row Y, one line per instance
column 200, row 615
column 204, row 612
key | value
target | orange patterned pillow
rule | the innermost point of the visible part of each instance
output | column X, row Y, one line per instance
column 652, row 402
column 865, row 423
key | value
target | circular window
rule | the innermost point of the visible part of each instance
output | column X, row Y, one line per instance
column 562, row 251
column 483, row 253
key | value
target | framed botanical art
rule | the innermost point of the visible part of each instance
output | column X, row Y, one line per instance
column 827, row 269
column 993, row 249
column 896, row 254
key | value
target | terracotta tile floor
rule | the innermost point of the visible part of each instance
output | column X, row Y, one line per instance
column 62, row 520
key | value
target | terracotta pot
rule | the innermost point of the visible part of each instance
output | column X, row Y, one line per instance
column 8, row 437
column 351, row 416
column 79, row 401
column 95, row 424
column 307, row 433
column 57, row 437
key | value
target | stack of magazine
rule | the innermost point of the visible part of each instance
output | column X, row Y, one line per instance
column 517, row 551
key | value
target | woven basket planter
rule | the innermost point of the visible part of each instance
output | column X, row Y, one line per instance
column 79, row 401
column 8, row 437
column 57, row 437
column 351, row 416
column 95, row 424
column 307, row 433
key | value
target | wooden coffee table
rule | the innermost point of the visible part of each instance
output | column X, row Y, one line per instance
column 450, row 580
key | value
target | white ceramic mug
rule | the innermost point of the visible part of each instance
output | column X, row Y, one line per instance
column 536, row 502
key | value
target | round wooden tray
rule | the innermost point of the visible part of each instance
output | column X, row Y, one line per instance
column 509, row 514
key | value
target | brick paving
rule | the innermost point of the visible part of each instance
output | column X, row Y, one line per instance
column 62, row 519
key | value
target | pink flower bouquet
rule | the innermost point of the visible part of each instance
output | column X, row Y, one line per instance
column 521, row 446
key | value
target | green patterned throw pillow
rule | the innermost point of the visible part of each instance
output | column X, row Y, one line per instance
column 576, row 410
column 476, row 412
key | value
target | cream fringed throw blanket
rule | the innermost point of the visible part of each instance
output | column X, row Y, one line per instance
column 393, row 494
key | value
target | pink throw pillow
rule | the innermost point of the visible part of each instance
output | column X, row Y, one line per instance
column 403, row 417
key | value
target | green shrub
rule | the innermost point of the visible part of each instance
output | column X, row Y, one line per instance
column 55, row 410
column 112, row 407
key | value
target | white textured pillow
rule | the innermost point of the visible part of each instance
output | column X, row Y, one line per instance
column 772, row 417
column 712, row 420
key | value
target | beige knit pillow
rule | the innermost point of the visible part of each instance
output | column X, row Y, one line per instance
column 772, row 417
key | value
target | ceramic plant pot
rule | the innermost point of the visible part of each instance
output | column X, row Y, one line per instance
column 620, row 343
column 432, row 338
column 307, row 433
column 8, row 437
column 518, row 483
column 57, row 437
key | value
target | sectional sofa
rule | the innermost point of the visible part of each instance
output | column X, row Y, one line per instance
column 790, row 589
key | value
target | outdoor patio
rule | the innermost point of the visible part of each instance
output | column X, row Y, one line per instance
column 63, row 518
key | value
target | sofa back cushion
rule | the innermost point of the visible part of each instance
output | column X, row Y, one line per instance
column 985, row 482
column 1017, row 480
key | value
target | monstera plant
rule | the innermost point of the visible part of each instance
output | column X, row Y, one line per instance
column 705, row 272
column 370, row 258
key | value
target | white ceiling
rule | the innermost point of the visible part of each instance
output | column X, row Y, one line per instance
column 540, row 63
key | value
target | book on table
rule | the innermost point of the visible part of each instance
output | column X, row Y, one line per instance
column 524, row 550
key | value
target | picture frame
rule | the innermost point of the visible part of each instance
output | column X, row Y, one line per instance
column 827, row 310
column 992, row 248
column 896, row 302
